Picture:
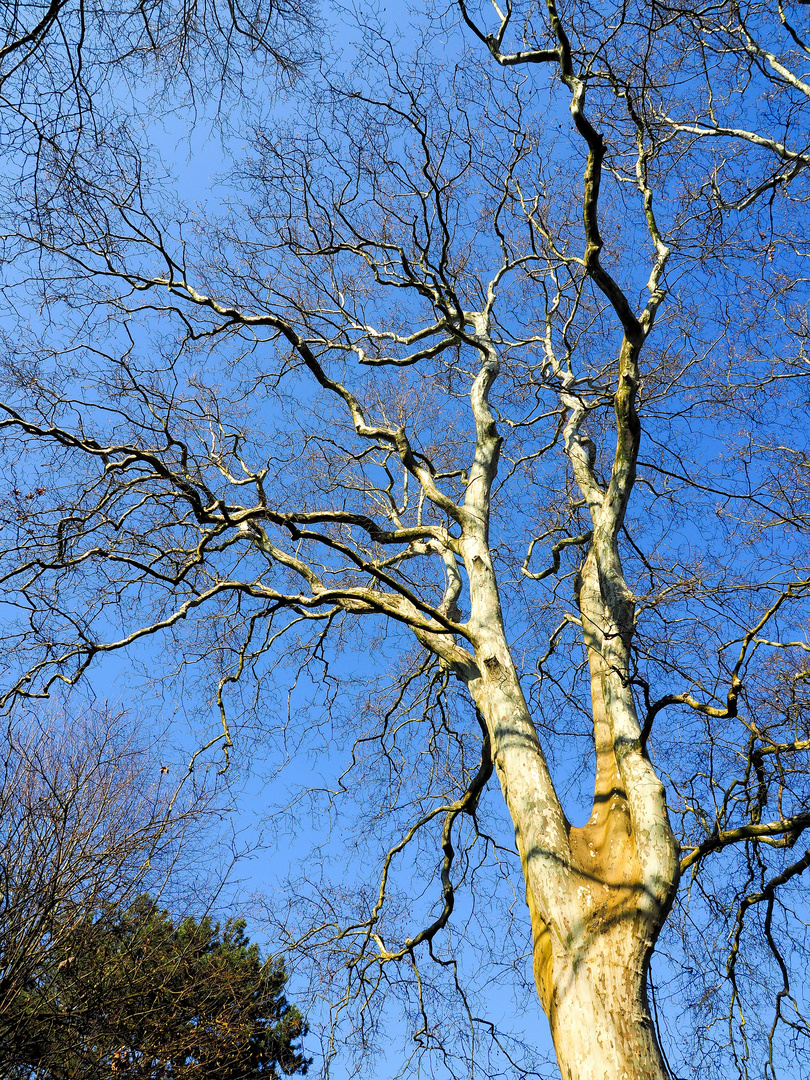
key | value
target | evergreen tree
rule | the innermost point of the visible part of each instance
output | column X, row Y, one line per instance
column 134, row 993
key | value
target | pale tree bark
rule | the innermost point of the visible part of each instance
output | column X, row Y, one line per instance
column 598, row 895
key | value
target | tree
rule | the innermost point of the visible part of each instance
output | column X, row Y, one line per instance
column 56, row 56
column 87, row 820
column 132, row 992
column 445, row 308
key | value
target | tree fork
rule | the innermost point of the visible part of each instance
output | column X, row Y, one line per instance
column 597, row 894
column 595, row 912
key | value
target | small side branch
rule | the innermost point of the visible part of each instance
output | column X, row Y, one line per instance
column 789, row 829
column 567, row 541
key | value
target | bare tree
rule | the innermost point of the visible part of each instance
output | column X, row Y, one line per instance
column 68, row 66
column 494, row 370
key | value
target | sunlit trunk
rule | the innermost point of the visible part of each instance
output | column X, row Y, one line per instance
column 598, row 895
column 598, row 1011
column 590, row 962
column 594, row 931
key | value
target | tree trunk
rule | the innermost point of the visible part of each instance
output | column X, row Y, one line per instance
column 594, row 934
column 598, row 1011
column 590, row 962
column 598, row 895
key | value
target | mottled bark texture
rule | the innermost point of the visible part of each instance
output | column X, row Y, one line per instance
column 599, row 894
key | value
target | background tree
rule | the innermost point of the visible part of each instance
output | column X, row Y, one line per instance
column 451, row 299
column 88, row 818
column 57, row 56
column 131, row 991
